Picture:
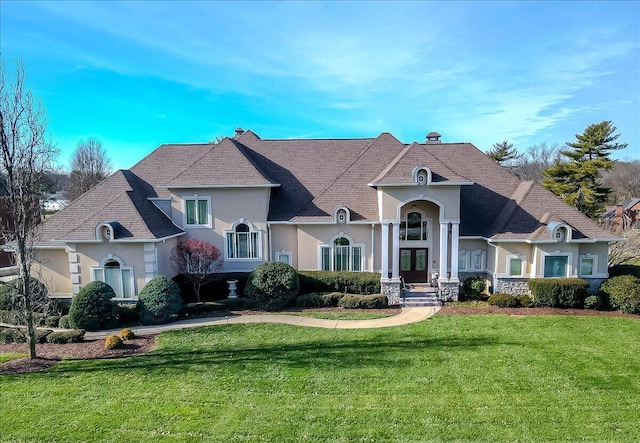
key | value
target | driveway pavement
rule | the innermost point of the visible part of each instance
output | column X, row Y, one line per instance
column 408, row 315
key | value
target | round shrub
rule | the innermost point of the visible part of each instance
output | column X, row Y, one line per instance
column 502, row 300
column 92, row 309
column 524, row 300
column 52, row 321
column 64, row 322
column 159, row 301
column 593, row 302
column 313, row 300
column 624, row 293
column 272, row 285
column 113, row 342
column 126, row 334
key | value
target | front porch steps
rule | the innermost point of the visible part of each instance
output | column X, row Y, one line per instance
column 420, row 295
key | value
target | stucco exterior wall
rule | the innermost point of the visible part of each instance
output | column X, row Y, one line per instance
column 310, row 237
column 285, row 238
column 600, row 250
column 163, row 254
column 53, row 270
column 504, row 250
column 446, row 196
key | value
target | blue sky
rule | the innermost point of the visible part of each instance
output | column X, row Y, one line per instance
column 139, row 74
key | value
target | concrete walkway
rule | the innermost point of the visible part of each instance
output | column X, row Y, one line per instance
column 408, row 315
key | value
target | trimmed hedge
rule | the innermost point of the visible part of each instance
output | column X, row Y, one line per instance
column 617, row 270
column 339, row 281
column 159, row 301
column 62, row 337
column 558, row 292
column 128, row 314
column 272, row 285
column 356, row 301
column 201, row 308
column 236, row 304
column 12, row 335
column 594, row 302
column 64, row 322
column 474, row 287
column 319, row 300
column 214, row 290
column 502, row 300
column 623, row 292
column 92, row 309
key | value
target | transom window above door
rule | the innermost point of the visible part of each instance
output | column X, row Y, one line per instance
column 414, row 227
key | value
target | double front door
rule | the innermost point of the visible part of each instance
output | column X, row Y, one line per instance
column 413, row 265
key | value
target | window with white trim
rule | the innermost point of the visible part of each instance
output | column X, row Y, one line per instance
column 477, row 260
column 556, row 266
column 588, row 265
column 283, row 257
column 116, row 275
column 244, row 242
column 515, row 266
column 341, row 255
column 414, row 227
column 463, row 260
column 196, row 210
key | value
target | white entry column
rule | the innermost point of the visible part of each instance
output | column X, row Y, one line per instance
column 384, row 255
column 455, row 235
column 395, row 266
column 444, row 236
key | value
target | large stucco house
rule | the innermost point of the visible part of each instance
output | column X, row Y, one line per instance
column 412, row 211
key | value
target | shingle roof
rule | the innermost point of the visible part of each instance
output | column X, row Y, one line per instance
column 310, row 177
column 122, row 198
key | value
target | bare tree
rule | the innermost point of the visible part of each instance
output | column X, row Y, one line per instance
column 626, row 252
column 624, row 180
column 197, row 260
column 26, row 156
column 536, row 160
column 89, row 166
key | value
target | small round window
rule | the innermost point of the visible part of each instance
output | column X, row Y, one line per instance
column 422, row 177
column 559, row 235
column 342, row 216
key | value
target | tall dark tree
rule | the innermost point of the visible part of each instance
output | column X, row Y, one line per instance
column 89, row 166
column 503, row 153
column 25, row 156
column 577, row 179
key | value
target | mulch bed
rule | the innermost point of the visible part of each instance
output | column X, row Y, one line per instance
column 467, row 310
column 49, row 354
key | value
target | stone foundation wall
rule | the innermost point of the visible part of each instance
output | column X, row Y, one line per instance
column 449, row 291
column 513, row 286
column 392, row 290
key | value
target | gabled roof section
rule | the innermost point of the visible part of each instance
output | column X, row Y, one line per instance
column 400, row 170
column 121, row 198
column 319, row 174
column 202, row 165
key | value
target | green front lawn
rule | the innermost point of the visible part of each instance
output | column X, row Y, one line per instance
column 450, row 378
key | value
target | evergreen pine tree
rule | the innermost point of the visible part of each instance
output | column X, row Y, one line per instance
column 576, row 178
column 502, row 152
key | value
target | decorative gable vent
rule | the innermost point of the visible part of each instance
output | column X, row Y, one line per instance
column 421, row 175
column 559, row 231
column 341, row 215
column 106, row 230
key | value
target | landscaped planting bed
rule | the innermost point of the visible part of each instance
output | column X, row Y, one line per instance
column 450, row 378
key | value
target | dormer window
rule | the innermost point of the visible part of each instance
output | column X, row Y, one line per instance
column 341, row 214
column 422, row 177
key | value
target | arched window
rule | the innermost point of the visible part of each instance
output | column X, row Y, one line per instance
column 414, row 227
column 243, row 242
column 115, row 274
column 341, row 255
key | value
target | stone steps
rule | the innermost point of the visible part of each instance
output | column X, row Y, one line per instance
column 421, row 299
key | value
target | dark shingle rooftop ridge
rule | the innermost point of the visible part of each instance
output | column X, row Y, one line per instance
column 391, row 165
column 196, row 159
column 517, row 197
column 243, row 150
column 427, row 148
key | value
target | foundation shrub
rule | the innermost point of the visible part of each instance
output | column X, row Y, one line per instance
column 215, row 289
column 272, row 285
column 594, row 302
column 92, row 309
column 474, row 287
column 558, row 292
column 623, row 293
column 503, row 300
column 62, row 337
column 332, row 299
column 12, row 335
column 313, row 300
column 52, row 321
column 113, row 342
column 201, row 308
column 339, row 281
column 159, row 301
column 356, row 301
column 64, row 322
column 525, row 300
